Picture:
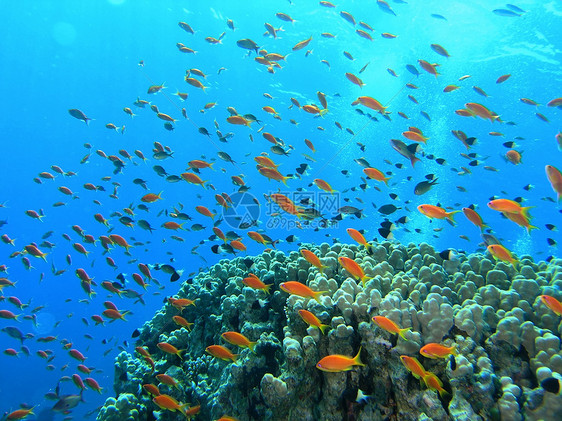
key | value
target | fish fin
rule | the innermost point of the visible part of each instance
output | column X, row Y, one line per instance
column 318, row 294
column 450, row 216
column 252, row 345
column 357, row 358
column 323, row 328
column 402, row 332
column 525, row 212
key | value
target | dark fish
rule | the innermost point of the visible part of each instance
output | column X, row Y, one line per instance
column 248, row 44
column 448, row 254
column 145, row 225
column 363, row 162
column 186, row 27
column 515, row 8
column 225, row 157
column 385, row 7
column 388, row 209
column 551, row 242
column 436, row 16
column 160, row 170
column 67, row 402
column 386, row 233
column 79, row 115
column 14, row 332
column 174, row 277
column 426, row 115
column 506, row 13
column 489, row 239
column 412, row 69
column 424, row 186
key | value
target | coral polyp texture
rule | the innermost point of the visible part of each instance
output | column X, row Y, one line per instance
column 488, row 340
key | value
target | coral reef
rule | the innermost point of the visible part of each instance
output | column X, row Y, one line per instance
column 505, row 338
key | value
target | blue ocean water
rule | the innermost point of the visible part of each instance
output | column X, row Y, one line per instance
column 85, row 55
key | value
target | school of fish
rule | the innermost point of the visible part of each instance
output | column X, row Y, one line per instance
column 193, row 213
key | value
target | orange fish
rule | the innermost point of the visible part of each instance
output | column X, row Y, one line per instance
column 354, row 79
column 433, row 383
column 555, row 177
column 219, row 351
column 169, row 403
column 168, row 380
column 357, row 236
column 338, row 363
column 436, row 212
column 151, row 389
column 180, row 321
column 302, row 44
column 313, row 260
column 312, row 320
column 375, row 174
column 151, row 197
column 20, row 414
column 238, row 120
column 552, row 303
column 501, row 253
column 388, row 325
column 513, row 156
column 414, row 366
column 434, row 351
column 428, row 67
column 321, row 184
column 170, row 349
column 254, row 282
column 205, row 211
column 371, row 103
column 238, row 245
column 353, row 268
column 180, row 303
column 415, row 136
column 509, row 206
column 273, row 174
column 520, row 220
column 193, row 178
column 481, row 111
column 474, row 217
column 238, row 339
column 297, row 288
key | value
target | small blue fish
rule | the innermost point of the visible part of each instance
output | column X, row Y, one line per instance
column 506, row 13
column 515, row 8
column 384, row 6
column 436, row 16
column 412, row 69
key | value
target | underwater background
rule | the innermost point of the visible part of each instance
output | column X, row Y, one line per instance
column 62, row 62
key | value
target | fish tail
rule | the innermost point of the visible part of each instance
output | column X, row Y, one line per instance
column 322, row 112
column 450, row 216
column 323, row 328
column 454, row 350
column 357, row 358
column 413, row 160
column 525, row 211
column 235, row 357
column 318, row 294
column 402, row 333
column 252, row 345
column 266, row 289
column 531, row 227
column 442, row 392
